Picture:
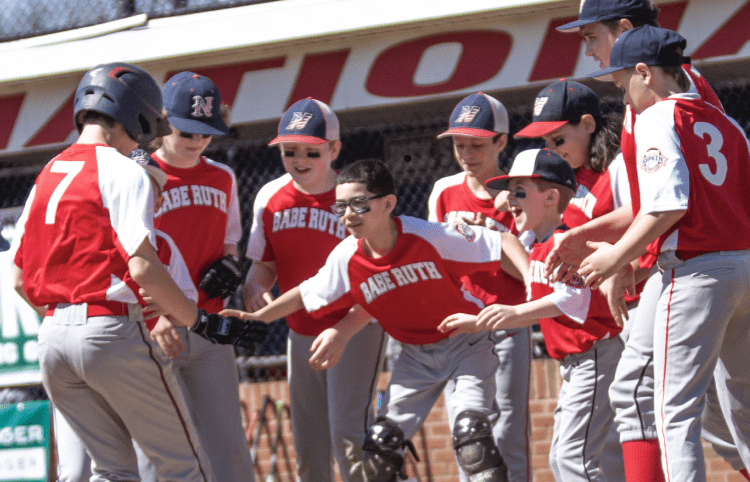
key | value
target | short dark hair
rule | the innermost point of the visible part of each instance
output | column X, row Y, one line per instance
column 373, row 173
column 94, row 117
column 566, row 193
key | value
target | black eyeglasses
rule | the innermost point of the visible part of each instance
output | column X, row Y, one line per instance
column 358, row 204
column 309, row 154
column 187, row 135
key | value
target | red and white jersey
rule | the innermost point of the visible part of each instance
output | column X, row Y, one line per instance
column 89, row 211
column 586, row 316
column 201, row 213
column 412, row 288
column 598, row 193
column 452, row 199
column 297, row 231
column 692, row 156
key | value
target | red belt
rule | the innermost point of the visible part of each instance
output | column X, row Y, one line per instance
column 99, row 308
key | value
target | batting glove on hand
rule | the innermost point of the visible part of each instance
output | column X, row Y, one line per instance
column 222, row 278
column 228, row 330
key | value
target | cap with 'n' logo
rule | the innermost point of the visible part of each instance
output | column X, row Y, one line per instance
column 309, row 121
column 193, row 104
column 478, row 115
column 558, row 104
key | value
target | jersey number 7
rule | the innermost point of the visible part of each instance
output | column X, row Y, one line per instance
column 71, row 170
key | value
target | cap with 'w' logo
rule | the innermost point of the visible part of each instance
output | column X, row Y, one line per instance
column 309, row 121
column 193, row 104
column 478, row 115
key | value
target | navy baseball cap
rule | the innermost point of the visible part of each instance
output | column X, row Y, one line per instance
column 150, row 165
column 559, row 103
column 193, row 104
column 653, row 46
column 537, row 164
column 478, row 115
column 599, row 10
column 309, row 121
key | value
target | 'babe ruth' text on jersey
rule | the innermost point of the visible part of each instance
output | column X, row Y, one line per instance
column 415, row 286
column 296, row 231
column 692, row 157
column 193, row 195
column 586, row 317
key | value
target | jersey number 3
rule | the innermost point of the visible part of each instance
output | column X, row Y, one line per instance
column 71, row 170
column 715, row 143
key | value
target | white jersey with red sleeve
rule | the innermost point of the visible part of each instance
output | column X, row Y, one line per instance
column 297, row 231
column 452, row 199
column 90, row 210
column 598, row 193
column 586, row 316
column 412, row 288
column 206, row 195
column 692, row 156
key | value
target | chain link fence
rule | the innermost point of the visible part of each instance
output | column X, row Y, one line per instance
column 26, row 18
column 416, row 158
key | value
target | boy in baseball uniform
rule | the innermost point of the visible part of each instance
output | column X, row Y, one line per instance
column 688, row 154
column 479, row 133
column 405, row 272
column 577, row 326
column 88, row 227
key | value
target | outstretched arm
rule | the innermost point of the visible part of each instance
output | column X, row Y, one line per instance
column 513, row 251
column 282, row 306
column 330, row 344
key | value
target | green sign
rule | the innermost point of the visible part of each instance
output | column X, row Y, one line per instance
column 25, row 441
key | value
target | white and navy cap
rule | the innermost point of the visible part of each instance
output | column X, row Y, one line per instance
column 193, row 104
column 478, row 115
column 150, row 165
column 537, row 164
column 309, row 121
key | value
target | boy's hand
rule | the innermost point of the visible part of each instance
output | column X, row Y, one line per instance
column 493, row 317
column 600, row 265
column 327, row 349
column 568, row 253
column 459, row 323
column 258, row 300
column 614, row 290
column 151, row 309
column 168, row 338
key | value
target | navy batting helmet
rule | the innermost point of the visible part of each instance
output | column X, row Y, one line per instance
column 126, row 93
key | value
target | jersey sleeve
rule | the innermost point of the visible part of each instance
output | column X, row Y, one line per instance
column 663, row 175
column 573, row 299
column 330, row 288
column 256, row 246
column 127, row 195
column 19, row 230
column 234, row 220
column 434, row 213
column 619, row 178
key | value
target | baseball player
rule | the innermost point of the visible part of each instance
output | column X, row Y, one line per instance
column 577, row 326
column 689, row 154
column 200, row 196
column 86, row 227
column 479, row 130
column 405, row 272
column 601, row 22
column 292, row 234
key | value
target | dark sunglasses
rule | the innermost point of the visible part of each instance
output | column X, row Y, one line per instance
column 187, row 135
column 358, row 204
column 309, row 154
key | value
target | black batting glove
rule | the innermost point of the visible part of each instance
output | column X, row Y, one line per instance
column 229, row 330
column 222, row 278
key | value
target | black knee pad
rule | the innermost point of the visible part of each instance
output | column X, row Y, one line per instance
column 475, row 449
column 382, row 459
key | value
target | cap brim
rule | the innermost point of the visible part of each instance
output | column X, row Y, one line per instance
column 500, row 183
column 603, row 72
column 469, row 132
column 192, row 126
column 539, row 129
column 576, row 25
column 296, row 138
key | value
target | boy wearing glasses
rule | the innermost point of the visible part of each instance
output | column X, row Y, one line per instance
column 293, row 232
column 406, row 273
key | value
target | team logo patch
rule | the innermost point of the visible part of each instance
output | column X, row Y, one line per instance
column 576, row 282
column 299, row 121
column 202, row 106
column 466, row 232
column 652, row 161
column 468, row 113
column 539, row 104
